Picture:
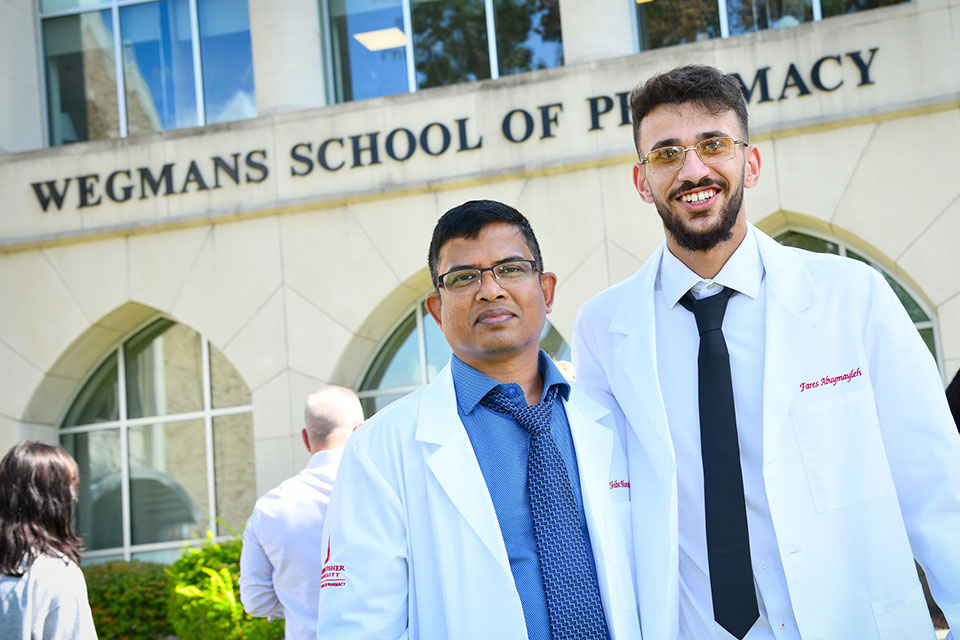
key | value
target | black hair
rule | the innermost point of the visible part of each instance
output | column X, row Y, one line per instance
column 710, row 89
column 468, row 220
column 37, row 490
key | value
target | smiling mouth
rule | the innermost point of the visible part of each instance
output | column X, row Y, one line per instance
column 699, row 196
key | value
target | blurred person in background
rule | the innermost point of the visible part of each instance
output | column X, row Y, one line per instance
column 42, row 590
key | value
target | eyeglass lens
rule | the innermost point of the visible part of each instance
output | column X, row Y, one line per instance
column 506, row 273
column 710, row 151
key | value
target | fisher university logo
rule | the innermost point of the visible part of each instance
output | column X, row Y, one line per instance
column 332, row 575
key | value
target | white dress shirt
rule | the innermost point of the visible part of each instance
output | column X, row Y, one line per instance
column 283, row 550
column 677, row 347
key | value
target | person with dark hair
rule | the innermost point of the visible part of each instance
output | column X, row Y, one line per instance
column 494, row 502
column 42, row 590
column 797, row 449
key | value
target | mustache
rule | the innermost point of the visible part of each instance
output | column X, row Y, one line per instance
column 689, row 186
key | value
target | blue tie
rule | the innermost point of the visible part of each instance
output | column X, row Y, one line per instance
column 569, row 581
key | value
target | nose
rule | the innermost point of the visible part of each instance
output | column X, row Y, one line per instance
column 693, row 169
column 490, row 288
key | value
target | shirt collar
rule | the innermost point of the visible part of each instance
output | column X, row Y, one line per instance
column 742, row 272
column 472, row 386
column 325, row 457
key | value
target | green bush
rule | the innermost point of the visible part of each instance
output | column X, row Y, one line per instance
column 203, row 597
column 128, row 599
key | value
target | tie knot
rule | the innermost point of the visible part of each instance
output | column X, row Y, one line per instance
column 533, row 418
column 708, row 311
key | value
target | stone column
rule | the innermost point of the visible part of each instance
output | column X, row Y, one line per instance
column 21, row 97
column 287, row 42
column 593, row 30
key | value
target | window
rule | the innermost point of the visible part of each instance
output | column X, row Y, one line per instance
column 126, row 67
column 453, row 41
column 662, row 23
column 922, row 319
column 414, row 353
column 163, row 434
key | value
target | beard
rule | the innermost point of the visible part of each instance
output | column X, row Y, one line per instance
column 706, row 239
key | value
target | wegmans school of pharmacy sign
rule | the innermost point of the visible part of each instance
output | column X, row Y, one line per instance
column 354, row 150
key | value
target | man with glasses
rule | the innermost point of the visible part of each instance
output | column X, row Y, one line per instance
column 797, row 451
column 494, row 502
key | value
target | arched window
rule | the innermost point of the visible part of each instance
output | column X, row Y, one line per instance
column 921, row 317
column 413, row 354
column 163, row 434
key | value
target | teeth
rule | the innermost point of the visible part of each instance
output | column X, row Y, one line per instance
column 698, row 197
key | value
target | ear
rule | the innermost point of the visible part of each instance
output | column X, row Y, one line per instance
column 641, row 184
column 433, row 306
column 548, row 284
column 751, row 171
column 306, row 440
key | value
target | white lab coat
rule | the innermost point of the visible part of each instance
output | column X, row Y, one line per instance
column 413, row 545
column 862, row 475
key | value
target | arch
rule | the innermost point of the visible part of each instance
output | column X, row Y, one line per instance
column 161, row 426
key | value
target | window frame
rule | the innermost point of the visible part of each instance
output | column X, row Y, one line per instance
column 127, row 549
column 114, row 6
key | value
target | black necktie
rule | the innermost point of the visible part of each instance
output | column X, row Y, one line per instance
column 728, row 545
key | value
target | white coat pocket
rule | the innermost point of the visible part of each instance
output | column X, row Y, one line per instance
column 842, row 449
column 904, row 617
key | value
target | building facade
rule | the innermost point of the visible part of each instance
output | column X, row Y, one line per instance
column 210, row 209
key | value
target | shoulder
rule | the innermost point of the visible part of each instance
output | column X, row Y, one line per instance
column 392, row 426
column 58, row 572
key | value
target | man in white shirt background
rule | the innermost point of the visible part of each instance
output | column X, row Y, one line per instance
column 282, row 552
column 791, row 449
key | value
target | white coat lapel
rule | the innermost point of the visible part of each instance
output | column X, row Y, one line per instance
column 633, row 326
column 594, row 444
column 789, row 331
column 455, row 466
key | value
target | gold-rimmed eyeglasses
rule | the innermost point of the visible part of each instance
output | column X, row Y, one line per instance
column 710, row 151
column 507, row 274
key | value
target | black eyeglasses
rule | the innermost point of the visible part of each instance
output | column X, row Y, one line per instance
column 507, row 274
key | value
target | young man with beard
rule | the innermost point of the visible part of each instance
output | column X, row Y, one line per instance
column 494, row 502
column 791, row 450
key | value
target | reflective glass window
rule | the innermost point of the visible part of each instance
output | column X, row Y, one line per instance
column 227, row 388
column 158, row 66
column 438, row 349
column 227, row 60
column 97, row 400
column 744, row 16
column 369, row 48
column 99, row 515
column 449, row 41
column 398, row 362
column 668, row 22
column 163, row 371
column 232, row 460
column 528, row 35
column 81, row 77
column 168, row 481
column 60, row 5
column 839, row 7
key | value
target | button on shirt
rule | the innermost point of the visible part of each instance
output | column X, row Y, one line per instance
column 501, row 447
column 677, row 347
column 283, row 549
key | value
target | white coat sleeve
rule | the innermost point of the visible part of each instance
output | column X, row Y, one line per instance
column 586, row 352
column 68, row 615
column 365, row 580
column 921, row 443
column 256, row 575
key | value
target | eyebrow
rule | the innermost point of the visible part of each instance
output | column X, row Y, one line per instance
column 461, row 267
column 675, row 142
